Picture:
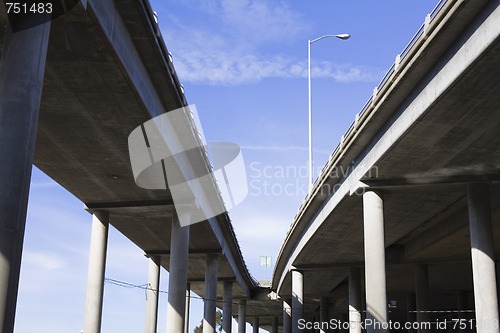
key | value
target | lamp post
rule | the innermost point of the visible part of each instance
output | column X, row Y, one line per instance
column 309, row 42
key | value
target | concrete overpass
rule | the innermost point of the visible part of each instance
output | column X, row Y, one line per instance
column 104, row 70
column 403, row 223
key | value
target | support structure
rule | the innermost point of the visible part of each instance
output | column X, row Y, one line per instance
column 375, row 280
column 188, row 307
column 97, row 268
column 355, row 300
column 274, row 325
column 255, row 325
column 483, row 258
column 323, row 313
column 227, row 307
column 242, row 316
column 152, row 294
column 297, row 299
column 210, row 301
column 422, row 296
column 22, row 69
column 287, row 317
column 179, row 257
column 411, row 308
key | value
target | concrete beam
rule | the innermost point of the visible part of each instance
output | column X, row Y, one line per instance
column 22, row 69
column 91, row 206
column 380, row 183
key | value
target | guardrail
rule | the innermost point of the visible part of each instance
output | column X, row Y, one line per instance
column 384, row 83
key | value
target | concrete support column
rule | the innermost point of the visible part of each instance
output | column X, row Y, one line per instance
column 227, row 307
column 483, row 258
column 375, row 281
column 323, row 313
column 255, row 325
column 462, row 307
column 210, row 302
column 287, row 317
column 411, row 308
column 188, row 308
column 22, row 70
column 422, row 295
column 242, row 316
column 274, row 325
column 179, row 257
column 297, row 299
column 97, row 267
column 152, row 294
column 355, row 300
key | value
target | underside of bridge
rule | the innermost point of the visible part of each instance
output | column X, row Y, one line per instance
column 107, row 72
column 422, row 173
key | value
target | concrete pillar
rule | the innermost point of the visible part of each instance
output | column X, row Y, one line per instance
column 422, row 295
column 179, row 257
column 255, row 325
column 227, row 307
column 152, row 294
column 274, row 325
column 97, row 267
column 411, row 308
column 462, row 307
column 375, row 281
column 483, row 258
column 323, row 313
column 210, row 301
column 188, row 306
column 242, row 316
column 287, row 317
column 355, row 300
column 22, row 70
column 297, row 299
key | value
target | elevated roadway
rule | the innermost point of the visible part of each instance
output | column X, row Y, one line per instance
column 393, row 217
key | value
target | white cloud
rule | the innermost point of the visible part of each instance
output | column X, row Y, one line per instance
column 230, row 50
column 48, row 261
column 231, row 68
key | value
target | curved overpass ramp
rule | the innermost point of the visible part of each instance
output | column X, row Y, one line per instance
column 403, row 222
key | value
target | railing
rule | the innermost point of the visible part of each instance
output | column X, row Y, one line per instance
column 387, row 79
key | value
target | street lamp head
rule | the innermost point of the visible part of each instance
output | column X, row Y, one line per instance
column 343, row 36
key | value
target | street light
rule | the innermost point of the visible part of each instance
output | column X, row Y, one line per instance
column 309, row 42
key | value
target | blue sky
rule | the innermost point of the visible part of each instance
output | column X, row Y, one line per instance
column 243, row 63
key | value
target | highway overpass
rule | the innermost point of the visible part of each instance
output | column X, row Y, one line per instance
column 403, row 223
column 104, row 70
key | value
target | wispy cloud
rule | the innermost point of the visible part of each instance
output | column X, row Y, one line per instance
column 231, row 51
column 44, row 260
column 219, row 68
